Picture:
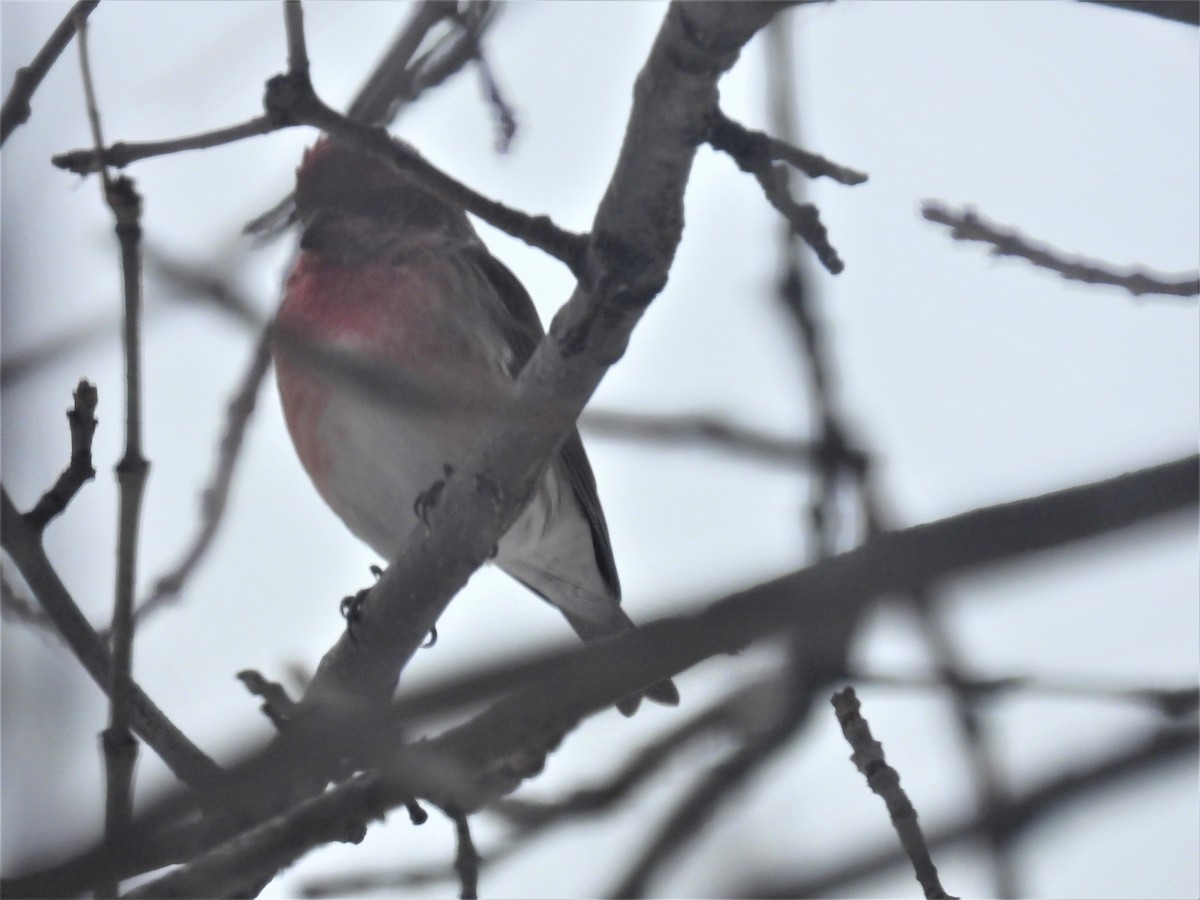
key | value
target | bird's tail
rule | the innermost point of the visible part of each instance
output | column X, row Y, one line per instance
column 663, row 692
column 612, row 620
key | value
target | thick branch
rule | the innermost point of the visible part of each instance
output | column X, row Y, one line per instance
column 1186, row 12
column 475, row 763
column 636, row 231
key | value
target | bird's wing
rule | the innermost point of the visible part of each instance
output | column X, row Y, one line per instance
column 524, row 329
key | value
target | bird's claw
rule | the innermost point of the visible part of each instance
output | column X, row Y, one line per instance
column 428, row 498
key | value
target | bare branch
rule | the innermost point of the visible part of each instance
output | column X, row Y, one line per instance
column 701, row 804
column 699, row 429
column 968, row 226
column 123, row 153
column 82, row 420
column 120, row 748
column 476, row 762
column 1173, row 703
column 16, row 110
column 755, row 150
column 466, row 859
column 293, row 18
column 293, row 102
column 23, row 544
column 215, row 497
column 16, row 608
column 756, row 153
column 869, row 759
column 1186, row 12
column 637, row 229
column 1139, row 756
column 389, row 84
column 506, row 119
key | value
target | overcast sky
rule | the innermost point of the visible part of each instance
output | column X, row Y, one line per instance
column 974, row 381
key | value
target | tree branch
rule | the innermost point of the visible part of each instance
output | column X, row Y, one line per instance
column 967, row 225
column 23, row 544
column 79, row 471
column 16, row 110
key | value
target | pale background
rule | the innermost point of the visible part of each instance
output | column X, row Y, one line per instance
column 976, row 381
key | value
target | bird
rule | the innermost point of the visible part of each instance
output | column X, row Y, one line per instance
column 391, row 274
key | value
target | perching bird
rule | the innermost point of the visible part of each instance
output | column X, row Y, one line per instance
column 390, row 272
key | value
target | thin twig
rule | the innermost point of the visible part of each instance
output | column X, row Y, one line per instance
column 502, row 112
column 24, row 547
column 753, row 149
column 869, row 758
column 387, row 85
column 1050, row 795
column 797, row 291
column 16, row 110
column 79, row 471
column 756, row 153
column 702, row 802
column 967, row 225
column 730, row 713
column 293, row 20
column 120, row 748
column 292, row 100
column 991, row 791
column 123, row 153
column 466, row 858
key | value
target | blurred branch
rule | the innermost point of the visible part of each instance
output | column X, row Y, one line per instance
column 1173, row 703
column 730, row 713
column 991, row 792
column 968, row 226
column 23, row 544
column 718, row 784
column 182, row 279
column 215, row 497
column 16, row 109
column 869, row 759
column 1139, row 757
column 195, row 280
column 488, row 756
column 21, row 364
column 17, row 608
column 393, row 80
column 79, row 471
column 531, row 819
column 1186, row 12
column 704, row 430
column 398, row 80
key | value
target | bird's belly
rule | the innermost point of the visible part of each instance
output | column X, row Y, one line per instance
column 382, row 463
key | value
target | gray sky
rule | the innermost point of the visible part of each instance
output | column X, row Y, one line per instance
column 975, row 380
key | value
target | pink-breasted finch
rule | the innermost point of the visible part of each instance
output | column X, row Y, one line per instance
column 388, row 271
